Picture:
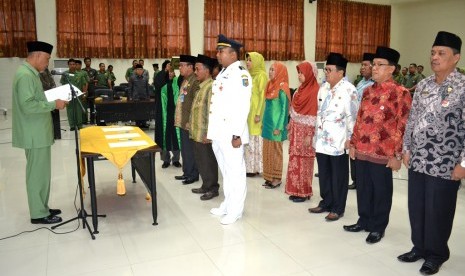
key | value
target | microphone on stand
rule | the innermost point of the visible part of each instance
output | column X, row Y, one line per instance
column 57, row 73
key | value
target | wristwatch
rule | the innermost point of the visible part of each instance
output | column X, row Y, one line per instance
column 236, row 137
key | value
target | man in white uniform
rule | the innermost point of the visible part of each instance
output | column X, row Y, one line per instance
column 227, row 127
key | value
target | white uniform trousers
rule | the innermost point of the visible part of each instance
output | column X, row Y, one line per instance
column 232, row 166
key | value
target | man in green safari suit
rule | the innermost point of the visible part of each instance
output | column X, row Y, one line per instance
column 32, row 130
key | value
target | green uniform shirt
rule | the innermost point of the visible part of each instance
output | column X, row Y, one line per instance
column 32, row 120
column 411, row 80
column 102, row 79
column 111, row 77
column 129, row 72
column 75, row 79
column 198, row 120
column 82, row 79
column 399, row 78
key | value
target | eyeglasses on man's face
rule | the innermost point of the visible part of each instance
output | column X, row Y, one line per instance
column 380, row 64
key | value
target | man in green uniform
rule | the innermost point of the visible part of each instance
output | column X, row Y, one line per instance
column 91, row 73
column 110, row 75
column 32, row 130
column 412, row 78
column 397, row 75
column 102, row 77
column 84, row 86
column 74, row 118
column 130, row 70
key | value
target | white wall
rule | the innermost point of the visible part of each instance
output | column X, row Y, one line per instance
column 415, row 25
column 413, row 28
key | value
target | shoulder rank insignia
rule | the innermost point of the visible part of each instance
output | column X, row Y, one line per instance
column 245, row 80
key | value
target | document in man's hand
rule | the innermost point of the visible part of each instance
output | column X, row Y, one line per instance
column 61, row 92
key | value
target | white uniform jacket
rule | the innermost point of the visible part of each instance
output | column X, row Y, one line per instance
column 230, row 104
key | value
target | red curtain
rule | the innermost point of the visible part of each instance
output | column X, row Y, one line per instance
column 122, row 28
column 273, row 28
column 17, row 26
column 351, row 28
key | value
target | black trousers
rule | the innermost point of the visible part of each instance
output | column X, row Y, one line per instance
column 189, row 167
column 431, row 205
column 374, row 195
column 334, row 180
column 207, row 165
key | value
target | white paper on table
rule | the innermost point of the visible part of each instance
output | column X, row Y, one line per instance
column 123, row 128
column 61, row 92
column 122, row 135
column 127, row 144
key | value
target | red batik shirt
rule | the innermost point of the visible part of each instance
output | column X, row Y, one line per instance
column 381, row 120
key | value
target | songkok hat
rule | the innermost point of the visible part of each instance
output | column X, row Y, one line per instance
column 164, row 64
column 336, row 59
column 449, row 40
column 387, row 53
column 205, row 60
column 139, row 66
column 39, row 46
column 187, row 58
column 368, row 56
column 223, row 42
column 155, row 64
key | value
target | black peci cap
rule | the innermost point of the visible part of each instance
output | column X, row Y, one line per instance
column 449, row 40
column 205, row 60
column 336, row 59
column 368, row 56
column 39, row 46
column 387, row 53
column 187, row 58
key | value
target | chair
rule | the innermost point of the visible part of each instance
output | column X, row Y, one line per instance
column 104, row 93
column 120, row 91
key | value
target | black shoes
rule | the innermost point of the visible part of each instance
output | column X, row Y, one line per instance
column 409, row 257
column 317, row 210
column 177, row 164
column 374, row 237
column 209, row 195
column 251, row 174
column 54, row 212
column 190, row 180
column 199, row 190
column 353, row 186
column 298, row 199
column 180, row 177
column 429, row 268
column 353, row 228
column 47, row 220
column 333, row 216
column 165, row 165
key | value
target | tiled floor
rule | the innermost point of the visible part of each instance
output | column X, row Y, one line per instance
column 274, row 237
